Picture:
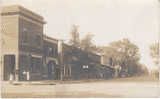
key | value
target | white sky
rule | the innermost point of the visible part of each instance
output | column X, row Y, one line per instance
column 108, row 20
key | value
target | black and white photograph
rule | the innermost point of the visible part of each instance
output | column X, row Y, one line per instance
column 79, row 48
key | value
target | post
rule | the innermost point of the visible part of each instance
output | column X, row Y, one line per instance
column 16, row 68
column 60, row 57
column 103, row 59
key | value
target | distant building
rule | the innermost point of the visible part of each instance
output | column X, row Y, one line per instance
column 79, row 64
column 105, row 60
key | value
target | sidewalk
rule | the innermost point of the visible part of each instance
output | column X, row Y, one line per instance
column 52, row 82
column 55, row 82
column 28, row 83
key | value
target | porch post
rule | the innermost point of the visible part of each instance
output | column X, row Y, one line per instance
column 16, row 68
column 60, row 58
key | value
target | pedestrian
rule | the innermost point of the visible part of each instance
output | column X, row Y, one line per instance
column 28, row 76
column 11, row 78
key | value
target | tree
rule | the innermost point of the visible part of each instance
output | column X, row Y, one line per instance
column 142, row 69
column 154, row 52
column 75, row 40
column 123, row 53
column 87, row 43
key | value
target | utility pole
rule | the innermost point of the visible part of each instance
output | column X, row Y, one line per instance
column 60, row 58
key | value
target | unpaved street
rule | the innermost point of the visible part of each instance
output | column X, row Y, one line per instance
column 103, row 88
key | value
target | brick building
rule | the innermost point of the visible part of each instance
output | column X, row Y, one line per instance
column 22, row 42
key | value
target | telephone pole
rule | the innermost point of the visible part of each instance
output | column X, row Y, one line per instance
column 60, row 58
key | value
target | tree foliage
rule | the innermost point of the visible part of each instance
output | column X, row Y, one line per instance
column 154, row 52
column 75, row 40
column 87, row 43
column 123, row 53
column 142, row 69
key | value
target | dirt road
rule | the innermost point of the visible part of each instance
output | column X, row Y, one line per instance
column 104, row 88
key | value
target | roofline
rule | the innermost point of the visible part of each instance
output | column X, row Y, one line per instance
column 45, row 37
column 18, row 9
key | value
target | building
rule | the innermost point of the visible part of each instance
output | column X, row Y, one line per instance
column 28, row 54
column 22, row 43
column 50, row 56
column 79, row 64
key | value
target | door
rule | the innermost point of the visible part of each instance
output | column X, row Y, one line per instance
column 52, row 74
column 50, row 70
column 9, row 66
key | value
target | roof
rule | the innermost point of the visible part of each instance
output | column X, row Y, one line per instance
column 17, row 9
column 50, row 39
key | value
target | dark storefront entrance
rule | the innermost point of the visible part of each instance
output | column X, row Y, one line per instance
column 9, row 66
column 53, row 71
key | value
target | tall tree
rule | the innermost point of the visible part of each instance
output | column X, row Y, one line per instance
column 154, row 52
column 123, row 53
column 87, row 43
column 75, row 40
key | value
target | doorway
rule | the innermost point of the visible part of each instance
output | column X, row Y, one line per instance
column 53, row 71
column 50, row 69
column 9, row 66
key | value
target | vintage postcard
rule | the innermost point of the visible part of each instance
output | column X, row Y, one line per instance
column 79, row 48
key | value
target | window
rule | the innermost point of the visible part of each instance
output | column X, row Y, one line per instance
column 23, row 62
column 24, row 35
column 85, row 66
column 36, row 63
column 50, row 51
column 38, row 40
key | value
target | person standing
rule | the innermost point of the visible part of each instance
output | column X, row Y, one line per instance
column 28, row 76
column 11, row 77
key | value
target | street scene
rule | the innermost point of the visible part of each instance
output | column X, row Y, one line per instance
column 79, row 48
column 124, row 88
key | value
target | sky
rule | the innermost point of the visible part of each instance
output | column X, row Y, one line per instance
column 108, row 20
